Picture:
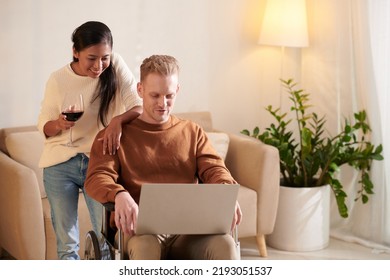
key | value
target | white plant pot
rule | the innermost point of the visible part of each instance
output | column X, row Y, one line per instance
column 302, row 220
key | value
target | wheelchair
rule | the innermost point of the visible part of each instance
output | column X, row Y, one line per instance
column 107, row 249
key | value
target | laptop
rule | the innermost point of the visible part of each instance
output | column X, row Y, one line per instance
column 186, row 208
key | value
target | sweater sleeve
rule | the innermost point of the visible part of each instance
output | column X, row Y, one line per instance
column 211, row 167
column 50, row 104
column 102, row 177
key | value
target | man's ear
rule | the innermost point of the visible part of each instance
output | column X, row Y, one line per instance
column 178, row 88
column 140, row 89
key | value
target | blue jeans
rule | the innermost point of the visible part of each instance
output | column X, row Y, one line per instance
column 62, row 184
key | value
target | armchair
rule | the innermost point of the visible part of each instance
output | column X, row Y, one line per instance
column 26, row 232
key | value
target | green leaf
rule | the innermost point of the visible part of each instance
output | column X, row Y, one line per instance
column 306, row 141
column 245, row 132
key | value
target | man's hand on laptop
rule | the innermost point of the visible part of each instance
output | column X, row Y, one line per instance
column 126, row 212
column 237, row 216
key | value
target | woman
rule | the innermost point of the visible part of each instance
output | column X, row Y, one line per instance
column 109, row 92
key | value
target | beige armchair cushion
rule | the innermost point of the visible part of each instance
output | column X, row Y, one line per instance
column 27, row 152
column 220, row 142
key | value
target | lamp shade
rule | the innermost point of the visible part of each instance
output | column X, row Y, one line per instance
column 284, row 24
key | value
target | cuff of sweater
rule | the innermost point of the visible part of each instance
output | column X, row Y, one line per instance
column 119, row 192
column 113, row 193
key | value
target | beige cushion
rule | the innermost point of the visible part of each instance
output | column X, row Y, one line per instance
column 247, row 198
column 26, row 148
column 201, row 118
column 220, row 142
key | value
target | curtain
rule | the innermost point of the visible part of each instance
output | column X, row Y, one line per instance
column 379, row 29
column 345, row 69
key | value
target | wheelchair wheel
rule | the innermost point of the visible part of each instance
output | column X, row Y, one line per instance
column 92, row 247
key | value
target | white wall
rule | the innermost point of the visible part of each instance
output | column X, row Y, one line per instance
column 215, row 41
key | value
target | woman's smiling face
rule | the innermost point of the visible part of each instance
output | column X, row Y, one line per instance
column 92, row 61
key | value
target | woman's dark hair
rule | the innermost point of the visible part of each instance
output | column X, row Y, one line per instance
column 89, row 34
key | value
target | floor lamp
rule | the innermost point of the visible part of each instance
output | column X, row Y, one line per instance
column 285, row 25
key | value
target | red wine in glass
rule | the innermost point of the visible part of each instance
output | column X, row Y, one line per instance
column 73, row 109
column 72, row 116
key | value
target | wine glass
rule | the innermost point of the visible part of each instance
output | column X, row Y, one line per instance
column 73, row 109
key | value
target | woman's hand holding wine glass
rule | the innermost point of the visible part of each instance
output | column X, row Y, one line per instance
column 72, row 109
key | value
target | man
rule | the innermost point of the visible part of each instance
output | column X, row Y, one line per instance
column 158, row 147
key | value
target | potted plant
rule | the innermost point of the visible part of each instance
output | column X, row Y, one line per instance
column 309, row 157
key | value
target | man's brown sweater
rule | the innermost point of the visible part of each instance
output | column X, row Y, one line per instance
column 177, row 151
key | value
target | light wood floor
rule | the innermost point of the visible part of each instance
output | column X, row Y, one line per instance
column 337, row 250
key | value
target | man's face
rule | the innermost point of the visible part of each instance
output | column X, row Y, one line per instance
column 159, row 94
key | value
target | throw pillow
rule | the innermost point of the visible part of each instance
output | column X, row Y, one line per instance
column 220, row 142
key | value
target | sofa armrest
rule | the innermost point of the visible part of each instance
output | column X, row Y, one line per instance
column 21, row 216
column 256, row 165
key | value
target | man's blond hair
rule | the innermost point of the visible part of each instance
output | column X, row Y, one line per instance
column 161, row 64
